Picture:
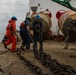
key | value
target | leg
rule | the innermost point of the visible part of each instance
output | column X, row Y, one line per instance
column 28, row 40
column 23, row 37
column 27, row 45
column 7, row 42
column 35, row 45
column 35, row 41
column 40, row 41
column 13, row 43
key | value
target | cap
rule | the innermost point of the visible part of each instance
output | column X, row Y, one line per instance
column 14, row 17
column 37, row 17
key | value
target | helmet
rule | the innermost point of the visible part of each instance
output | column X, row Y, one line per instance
column 37, row 17
column 14, row 17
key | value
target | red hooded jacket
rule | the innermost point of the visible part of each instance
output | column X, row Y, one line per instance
column 11, row 27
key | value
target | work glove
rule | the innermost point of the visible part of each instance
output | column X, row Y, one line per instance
column 17, row 36
column 39, row 30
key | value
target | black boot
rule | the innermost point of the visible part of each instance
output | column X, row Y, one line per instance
column 5, row 46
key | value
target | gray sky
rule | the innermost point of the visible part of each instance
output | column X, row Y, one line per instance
column 9, row 8
column 18, row 8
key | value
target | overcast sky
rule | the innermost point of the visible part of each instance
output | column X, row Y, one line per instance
column 18, row 8
column 9, row 8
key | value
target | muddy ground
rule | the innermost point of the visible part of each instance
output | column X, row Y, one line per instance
column 12, row 65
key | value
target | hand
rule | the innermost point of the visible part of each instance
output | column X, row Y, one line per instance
column 29, row 31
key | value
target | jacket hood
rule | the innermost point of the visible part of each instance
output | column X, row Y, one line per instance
column 10, row 21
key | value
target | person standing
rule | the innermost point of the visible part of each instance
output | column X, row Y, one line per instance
column 37, row 33
column 10, row 33
column 24, row 33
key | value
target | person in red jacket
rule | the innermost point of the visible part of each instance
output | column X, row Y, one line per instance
column 10, row 33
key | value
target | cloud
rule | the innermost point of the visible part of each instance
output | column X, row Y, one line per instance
column 8, row 8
